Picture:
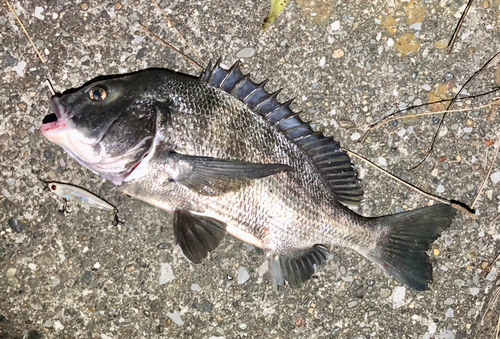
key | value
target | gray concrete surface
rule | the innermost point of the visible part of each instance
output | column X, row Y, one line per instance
column 77, row 276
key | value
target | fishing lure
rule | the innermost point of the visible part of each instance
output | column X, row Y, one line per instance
column 82, row 197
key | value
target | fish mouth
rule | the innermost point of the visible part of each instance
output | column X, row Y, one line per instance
column 56, row 120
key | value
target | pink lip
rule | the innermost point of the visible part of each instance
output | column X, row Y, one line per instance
column 62, row 117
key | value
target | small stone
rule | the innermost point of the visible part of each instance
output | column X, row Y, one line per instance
column 440, row 189
column 32, row 266
column 338, row 53
column 436, row 252
column 469, row 122
column 118, row 6
column 335, row 25
column 243, row 326
column 355, row 136
column 352, row 304
column 246, row 52
column 243, row 275
column 426, row 87
column 86, row 278
column 449, row 301
column 495, row 177
column 9, row 60
column 166, row 274
column 342, row 270
column 206, row 306
column 176, row 318
column 130, row 268
column 22, row 106
column 17, row 225
column 449, row 313
column 84, row 6
column 434, row 172
column 385, row 292
column 399, row 294
column 474, row 290
column 141, row 53
column 486, row 4
column 299, row 322
column 382, row 161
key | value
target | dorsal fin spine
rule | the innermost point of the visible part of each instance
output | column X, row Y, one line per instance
column 333, row 164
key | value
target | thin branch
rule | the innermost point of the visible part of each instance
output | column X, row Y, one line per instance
column 179, row 33
column 384, row 122
column 51, row 88
column 392, row 176
column 431, row 148
column 25, row 31
column 489, row 172
column 459, row 25
column 172, row 47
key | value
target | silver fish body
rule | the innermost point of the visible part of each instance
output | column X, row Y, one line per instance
column 224, row 155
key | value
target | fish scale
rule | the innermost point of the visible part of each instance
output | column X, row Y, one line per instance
column 224, row 155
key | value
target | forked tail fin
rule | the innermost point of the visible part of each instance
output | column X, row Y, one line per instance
column 402, row 253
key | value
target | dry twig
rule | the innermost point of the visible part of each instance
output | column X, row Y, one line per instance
column 487, row 175
column 25, row 31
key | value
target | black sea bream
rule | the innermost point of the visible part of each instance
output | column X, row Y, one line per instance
column 225, row 156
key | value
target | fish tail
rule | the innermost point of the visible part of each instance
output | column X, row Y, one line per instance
column 402, row 251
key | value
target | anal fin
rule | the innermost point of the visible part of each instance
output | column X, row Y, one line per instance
column 296, row 267
column 197, row 235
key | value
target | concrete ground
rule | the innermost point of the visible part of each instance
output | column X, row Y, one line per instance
column 347, row 63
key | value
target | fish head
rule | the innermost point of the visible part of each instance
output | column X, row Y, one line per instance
column 108, row 125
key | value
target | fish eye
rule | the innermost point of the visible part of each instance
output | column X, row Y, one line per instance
column 98, row 93
column 53, row 187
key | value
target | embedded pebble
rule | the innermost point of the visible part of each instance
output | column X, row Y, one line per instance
column 426, row 87
column 467, row 129
column 399, row 294
column 263, row 268
column 9, row 60
column 385, row 292
column 38, row 13
column 448, row 240
column 335, row 25
column 247, row 52
column 352, row 304
column 401, row 133
column 446, row 334
column 449, row 301
column 355, row 136
column 449, row 313
column 176, row 318
column 440, row 189
column 16, row 225
column 342, row 270
column 166, row 274
column 58, row 326
column 84, row 6
column 32, row 266
column 495, row 177
column 382, row 161
column 195, row 287
column 243, row 326
column 243, row 275
column 55, row 282
column 20, row 68
column 474, row 290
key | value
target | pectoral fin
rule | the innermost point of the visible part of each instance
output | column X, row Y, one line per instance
column 296, row 267
column 197, row 235
column 211, row 176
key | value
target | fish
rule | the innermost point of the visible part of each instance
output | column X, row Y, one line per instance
column 225, row 156
column 82, row 197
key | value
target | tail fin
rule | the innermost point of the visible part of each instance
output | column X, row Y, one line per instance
column 402, row 252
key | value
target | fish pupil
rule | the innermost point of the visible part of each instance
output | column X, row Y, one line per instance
column 97, row 94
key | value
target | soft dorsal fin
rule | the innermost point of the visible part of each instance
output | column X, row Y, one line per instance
column 332, row 162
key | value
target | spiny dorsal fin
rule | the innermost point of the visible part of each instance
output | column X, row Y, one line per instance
column 332, row 162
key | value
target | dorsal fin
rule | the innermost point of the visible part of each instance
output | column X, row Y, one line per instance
column 332, row 162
